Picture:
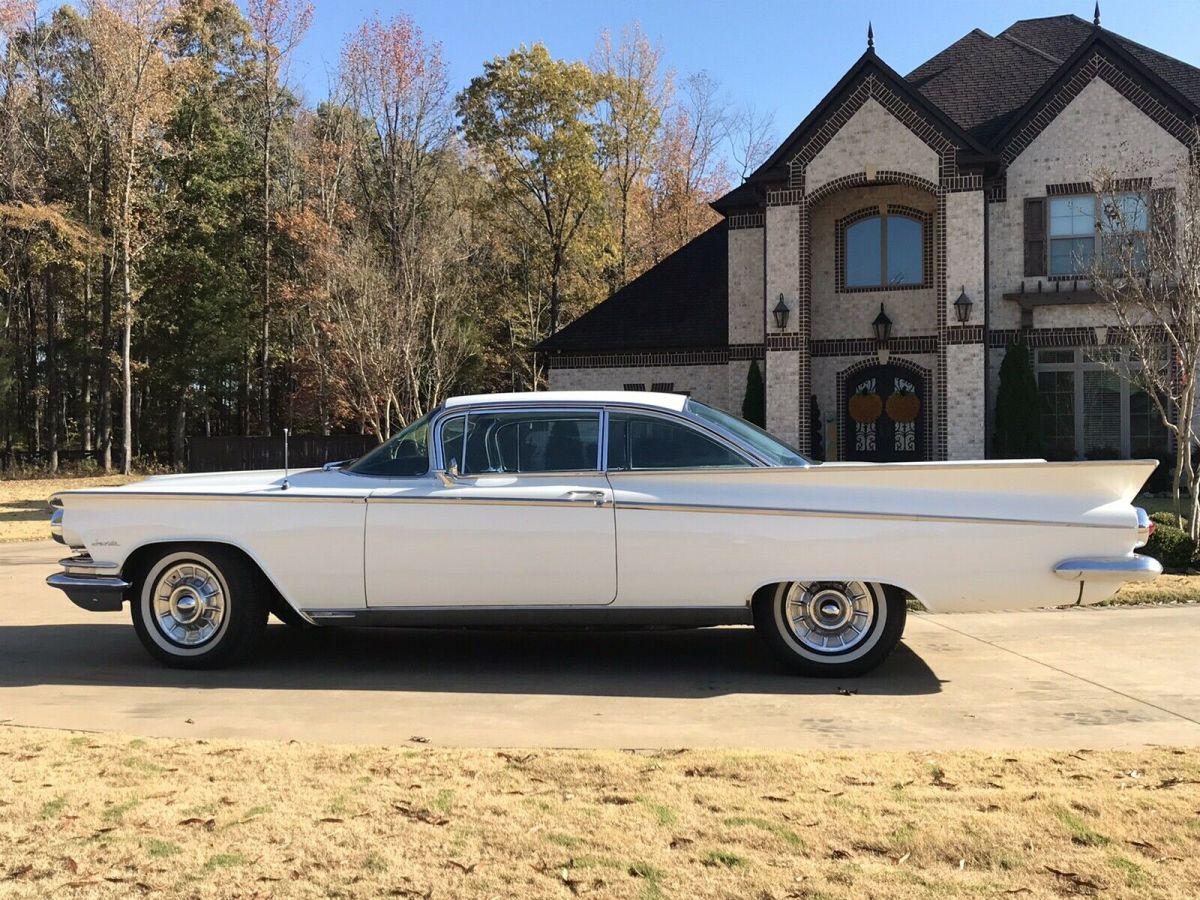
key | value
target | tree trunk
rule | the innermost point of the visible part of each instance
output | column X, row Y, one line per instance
column 52, row 410
column 126, row 367
column 264, row 410
column 108, row 269
column 179, row 434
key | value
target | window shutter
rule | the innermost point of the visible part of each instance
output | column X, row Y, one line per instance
column 1035, row 236
column 1162, row 225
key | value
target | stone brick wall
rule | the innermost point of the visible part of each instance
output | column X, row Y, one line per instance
column 746, row 286
column 783, row 260
column 783, row 407
column 872, row 140
column 1098, row 130
column 964, row 401
column 842, row 314
column 712, row 384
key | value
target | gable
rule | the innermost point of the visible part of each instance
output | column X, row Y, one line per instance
column 1098, row 129
column 872, row 140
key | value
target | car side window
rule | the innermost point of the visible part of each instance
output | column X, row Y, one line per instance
column 527, row 442
column 649, row 442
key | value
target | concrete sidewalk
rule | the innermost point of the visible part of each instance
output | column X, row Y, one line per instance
column 1071, row 678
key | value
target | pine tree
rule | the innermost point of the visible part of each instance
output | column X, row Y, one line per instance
column 754, row 405
column 1018, row 429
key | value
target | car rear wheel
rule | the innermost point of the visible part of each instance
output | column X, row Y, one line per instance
column 200, row 607
column 830, row 628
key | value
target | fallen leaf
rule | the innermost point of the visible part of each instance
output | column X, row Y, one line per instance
column 331, row 819
column 1073, row 877
column 837, row 853
column 19, row 872
column 678, row 843
column 467, row 868
column 517, row 759
column 206, row 824
column 614, row 800
column 417, row 739
column 902, row 859
column 419, row 815
column 774, row 799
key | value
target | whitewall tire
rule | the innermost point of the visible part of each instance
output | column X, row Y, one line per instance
column 830, row 628
column 200, row 607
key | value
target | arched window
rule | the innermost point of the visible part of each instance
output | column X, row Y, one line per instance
column 885, row 250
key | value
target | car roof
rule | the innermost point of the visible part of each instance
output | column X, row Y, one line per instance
column 634, row 398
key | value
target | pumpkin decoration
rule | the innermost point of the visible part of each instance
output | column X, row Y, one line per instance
column 865, row 406
column 903, row 406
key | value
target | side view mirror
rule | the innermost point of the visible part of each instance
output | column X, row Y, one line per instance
column 449, row 475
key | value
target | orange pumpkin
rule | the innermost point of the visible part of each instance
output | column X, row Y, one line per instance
column 903, row 406
column 865, row 407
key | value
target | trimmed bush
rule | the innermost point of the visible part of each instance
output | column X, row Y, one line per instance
column 1166, row 518
column 1171, row 546
column 754, row 404
column 1018, row 425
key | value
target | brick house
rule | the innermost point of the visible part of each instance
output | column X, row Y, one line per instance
column 957, row 201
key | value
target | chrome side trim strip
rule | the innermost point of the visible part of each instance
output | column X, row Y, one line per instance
column 1110, row 568
column 853, row 514
column 534, row 616
column 526, row 502
column 282, row 496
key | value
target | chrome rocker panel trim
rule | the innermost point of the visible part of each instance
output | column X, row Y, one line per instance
column 533, row 616
column 1110, row 568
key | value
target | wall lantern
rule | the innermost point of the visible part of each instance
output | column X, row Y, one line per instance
column 781, row 313
column 882, row 326
column 962, row 307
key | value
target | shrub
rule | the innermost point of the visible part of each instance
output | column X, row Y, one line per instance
column 1171, row 546
column 1166, row 518
column 1018, row 425
column 754, row 405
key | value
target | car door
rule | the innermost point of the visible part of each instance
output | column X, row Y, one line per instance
column 527, row 520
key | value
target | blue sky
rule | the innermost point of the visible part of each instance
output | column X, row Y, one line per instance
column 781, row 56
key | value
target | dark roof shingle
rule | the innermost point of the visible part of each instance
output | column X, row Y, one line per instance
column 680, row 303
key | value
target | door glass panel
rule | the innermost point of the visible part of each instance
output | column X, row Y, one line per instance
column 648, row 442
column 512, row 442
column 1102, row 415
column 452, row 441
column 1057, row 391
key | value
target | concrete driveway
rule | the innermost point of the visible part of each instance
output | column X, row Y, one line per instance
column 1073, row 678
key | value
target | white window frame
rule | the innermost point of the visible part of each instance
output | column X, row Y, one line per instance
column 1078, row 366
column 1096, row 230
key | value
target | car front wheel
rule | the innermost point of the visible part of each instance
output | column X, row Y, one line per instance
column 830, row 628
column 200, row 607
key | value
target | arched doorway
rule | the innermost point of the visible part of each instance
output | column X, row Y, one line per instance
column 883, row 413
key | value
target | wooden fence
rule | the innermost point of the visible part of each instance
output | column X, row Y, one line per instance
column 223, row 454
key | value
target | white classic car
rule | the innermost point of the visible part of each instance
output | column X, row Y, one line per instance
column 598, row 509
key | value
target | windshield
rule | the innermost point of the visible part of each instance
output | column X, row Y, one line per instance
column 765, row 444
column 406, row 453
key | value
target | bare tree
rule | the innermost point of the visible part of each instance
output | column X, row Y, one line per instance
column 1147, row 271
column 751, row 138
column 128, row 41
column 636, row 92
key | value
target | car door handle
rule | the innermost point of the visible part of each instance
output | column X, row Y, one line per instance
column 596, row 497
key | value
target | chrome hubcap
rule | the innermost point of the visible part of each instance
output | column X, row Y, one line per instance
column 829, row 616
column 189, row 603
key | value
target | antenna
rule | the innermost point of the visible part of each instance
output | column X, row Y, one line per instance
column 285, row 460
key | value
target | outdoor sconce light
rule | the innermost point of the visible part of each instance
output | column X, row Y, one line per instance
column 781, row 313
column 962, row 307
column 882, row 326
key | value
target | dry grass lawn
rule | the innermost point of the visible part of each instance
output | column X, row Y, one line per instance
column 24, row 515
column 107, row 816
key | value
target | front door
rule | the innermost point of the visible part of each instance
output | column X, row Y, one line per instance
column 883, row 415
column 529, row 520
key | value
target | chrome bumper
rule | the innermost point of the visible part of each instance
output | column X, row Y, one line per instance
column 90, row 585
column 1110, row 568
